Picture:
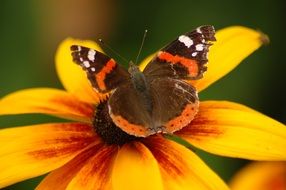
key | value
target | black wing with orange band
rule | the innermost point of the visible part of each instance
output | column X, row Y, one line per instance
column 185, row 57
column 102, row 71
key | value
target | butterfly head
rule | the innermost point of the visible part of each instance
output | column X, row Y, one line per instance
column 137, row 77
column 132, row 69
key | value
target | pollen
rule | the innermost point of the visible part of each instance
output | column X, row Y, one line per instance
column 106, row 129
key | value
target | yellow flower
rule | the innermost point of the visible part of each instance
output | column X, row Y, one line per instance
column 77, row 158
column 261, row 176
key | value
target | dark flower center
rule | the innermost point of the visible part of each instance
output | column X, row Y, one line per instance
column 106, row 129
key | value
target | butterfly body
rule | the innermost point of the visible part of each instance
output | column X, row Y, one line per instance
column 159, row 98
column 138, row 79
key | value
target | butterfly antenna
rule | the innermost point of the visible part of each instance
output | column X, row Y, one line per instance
column 115, row 52
column 141, row 46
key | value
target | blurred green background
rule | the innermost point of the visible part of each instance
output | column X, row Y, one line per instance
column 31, row 30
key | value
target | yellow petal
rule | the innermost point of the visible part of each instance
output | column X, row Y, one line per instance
column 180, row 168
column 88, row 170
column 233, row 45
column 96, row 173
column 136, row 168
column 73, row 78
column 47, row 101
column 261, row 176
column 144, row 63
column 234, row 130
column 30, row 151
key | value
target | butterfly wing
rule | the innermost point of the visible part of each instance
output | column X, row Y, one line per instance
column 185, row 57
column 131, row 111
column 175, row 103
column 102, row 71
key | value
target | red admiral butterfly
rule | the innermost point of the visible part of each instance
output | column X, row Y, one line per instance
column 159, row 99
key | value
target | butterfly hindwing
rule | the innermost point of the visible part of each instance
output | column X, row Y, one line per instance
column 102, row 71
column 185, row 57
column 175, row 103
column 131, row 111
column 169, row 105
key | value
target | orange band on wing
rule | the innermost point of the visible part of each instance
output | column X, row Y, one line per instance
column 184, row 119
column 132, row 129
column 100, row 76
column 190, row 64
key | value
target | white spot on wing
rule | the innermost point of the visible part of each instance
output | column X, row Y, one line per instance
column 194, row 54
column 91, row 55
column 199, row 47
column 186, row 40
column 86, row 64
column 78, row 48
column 199, row 30
column 92, row 69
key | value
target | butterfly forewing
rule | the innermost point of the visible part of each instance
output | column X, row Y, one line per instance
column 102, row 71
column 185, row 57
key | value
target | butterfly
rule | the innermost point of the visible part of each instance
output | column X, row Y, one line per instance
column 158, row 99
